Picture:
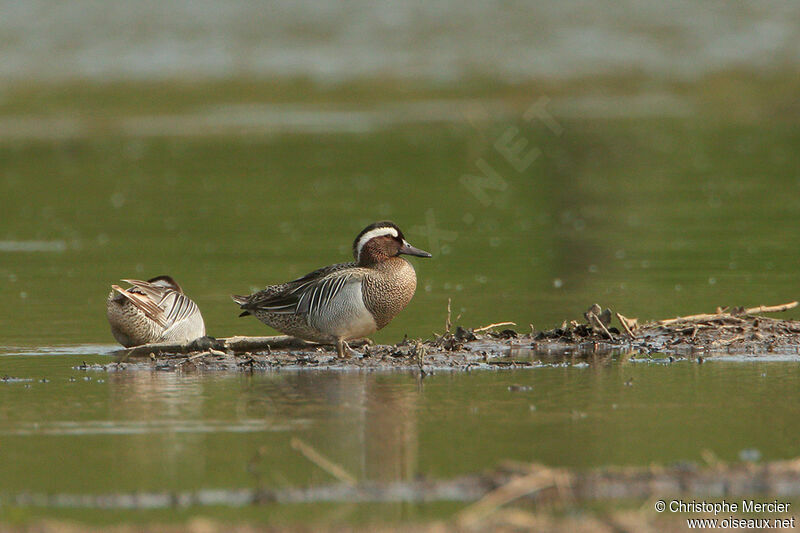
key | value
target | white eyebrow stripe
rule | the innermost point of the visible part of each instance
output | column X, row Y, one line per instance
column 377, row 232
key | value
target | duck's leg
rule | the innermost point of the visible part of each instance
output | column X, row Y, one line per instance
column 342, row 348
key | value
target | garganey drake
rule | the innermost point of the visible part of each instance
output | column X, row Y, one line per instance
column 346, row 301
column 155, row 310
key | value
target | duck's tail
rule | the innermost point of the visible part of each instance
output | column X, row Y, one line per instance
column 241, row 300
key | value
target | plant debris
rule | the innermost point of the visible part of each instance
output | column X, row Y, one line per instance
column 488, row 491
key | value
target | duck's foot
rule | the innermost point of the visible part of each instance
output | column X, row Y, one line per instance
column 343, row 349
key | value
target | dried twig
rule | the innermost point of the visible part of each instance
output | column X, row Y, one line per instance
column 725, row 315
column 323, row 462
column 448, row 324
column 770, row 308
column 490, row 326
column 241, row 344
column 192, row 359
column 235, row 345
column 624, row 321
column 728, row 342
column 596, row 323
column 513, row 490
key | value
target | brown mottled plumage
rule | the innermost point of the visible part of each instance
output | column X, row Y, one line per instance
column 155, row 310
column 346, row 301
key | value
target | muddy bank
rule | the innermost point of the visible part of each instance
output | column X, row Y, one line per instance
column 486, row 491
column 602, row 334
column 513, row 497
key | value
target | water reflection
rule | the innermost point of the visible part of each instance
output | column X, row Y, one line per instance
column 162, row 397
column 366, row 423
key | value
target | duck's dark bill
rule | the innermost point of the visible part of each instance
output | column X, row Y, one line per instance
column 410, row 250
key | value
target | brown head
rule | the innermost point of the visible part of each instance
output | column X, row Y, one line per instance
column 382, row 241
column 166, row 282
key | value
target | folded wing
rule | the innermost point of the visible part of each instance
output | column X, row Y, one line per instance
column 163, row 305
column 305, row 295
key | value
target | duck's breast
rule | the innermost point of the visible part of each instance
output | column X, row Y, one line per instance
column 345, row 315
column 389, row 289
column 129, row 325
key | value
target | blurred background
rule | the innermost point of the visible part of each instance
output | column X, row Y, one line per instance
column 643, row 155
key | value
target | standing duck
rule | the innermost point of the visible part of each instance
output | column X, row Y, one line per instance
column 150, row 311
column 345, row 301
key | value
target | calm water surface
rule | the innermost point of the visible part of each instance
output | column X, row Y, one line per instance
column 153, row 431
column 653, row 217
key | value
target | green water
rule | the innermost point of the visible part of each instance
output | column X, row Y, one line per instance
column 88, row 432
column 131, row 431
column 653, row 216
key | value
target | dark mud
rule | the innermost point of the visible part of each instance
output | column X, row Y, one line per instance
column 728, row 332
